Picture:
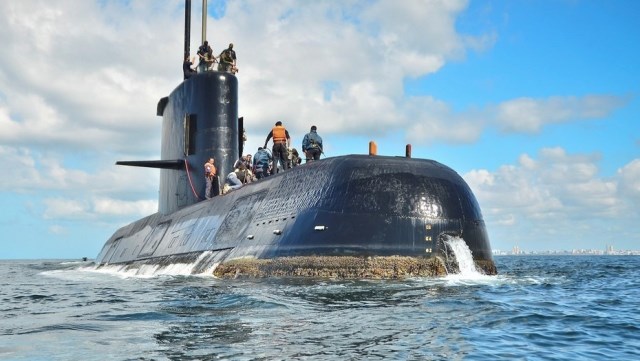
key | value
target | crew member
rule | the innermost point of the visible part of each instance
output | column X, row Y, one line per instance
column 294, row 158
column 261, row 163
column 233, row 180
column 187, row 69
column 245, row 174
column 205, row 53
column 312, row 145
column 281, row 141
column 228, row 60
column 210, row 173
column 244, row 160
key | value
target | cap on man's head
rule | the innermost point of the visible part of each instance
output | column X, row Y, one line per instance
column 278, row 123
column 259, row 148
column 313, row 127
column 206, row 42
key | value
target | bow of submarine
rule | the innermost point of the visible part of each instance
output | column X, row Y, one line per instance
column 359, row 205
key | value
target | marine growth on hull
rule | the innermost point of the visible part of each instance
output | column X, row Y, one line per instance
column 393, row 267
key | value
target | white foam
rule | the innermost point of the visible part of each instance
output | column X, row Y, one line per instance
column 469, row 273
column 77, row 274
column 154, row 270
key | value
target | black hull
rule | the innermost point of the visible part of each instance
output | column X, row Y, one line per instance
column 348, row 206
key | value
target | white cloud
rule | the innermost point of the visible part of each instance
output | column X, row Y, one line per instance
column 529, row 115
column 629, row 176
column 36, row 172
column 429, row 120
column 364, row 50
column 557, row 193
column 67, row 67
column 58, row 230
column 106, row 206
column 97, row 209
column 84, row 78
column 17, row 168
column 420, row 28
column 96, row 70
column 433, row 120
column 57, row 208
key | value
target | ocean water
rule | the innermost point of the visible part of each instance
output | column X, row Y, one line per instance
column 537, row 308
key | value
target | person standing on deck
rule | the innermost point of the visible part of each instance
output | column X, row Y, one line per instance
column 227, row 60
column 210, row 173
column 281, row 141
column 312, row 145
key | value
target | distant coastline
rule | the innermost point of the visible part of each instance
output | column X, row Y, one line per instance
column 574, row 252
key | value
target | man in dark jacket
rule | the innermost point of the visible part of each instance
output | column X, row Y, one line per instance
column 261, row 162
column 227, row 60
column 205, row 53
column 312, row 145
column 187, row 69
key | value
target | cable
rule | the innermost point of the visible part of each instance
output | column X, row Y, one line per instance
column 186, row 166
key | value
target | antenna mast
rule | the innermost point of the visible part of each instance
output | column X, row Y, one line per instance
column 187, row 27
column 204, row 21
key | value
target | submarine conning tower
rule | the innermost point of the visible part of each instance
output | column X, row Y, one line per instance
column 199, row 121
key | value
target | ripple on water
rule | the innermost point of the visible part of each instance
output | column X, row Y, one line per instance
column 560, row 308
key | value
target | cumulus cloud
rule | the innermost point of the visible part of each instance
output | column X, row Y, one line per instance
column 84, row 78
column 429, row 120
column 67, row 68
column 556, row 193
column 97, row 69
column 65, row 208
column 529, row 115
column 97, row 209
column 362, row 49
column 433, row 120
column 629, row 176
column 32, row 171
column 106, row 206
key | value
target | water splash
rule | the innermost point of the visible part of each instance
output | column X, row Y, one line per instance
column 200, row 267
column 458, row 257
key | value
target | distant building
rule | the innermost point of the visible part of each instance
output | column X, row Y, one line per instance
column 516, row 250
column 609, row 249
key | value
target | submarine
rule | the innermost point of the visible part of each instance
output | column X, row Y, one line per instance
column 348, row 216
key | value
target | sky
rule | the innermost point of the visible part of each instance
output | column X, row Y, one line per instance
column 534, row 103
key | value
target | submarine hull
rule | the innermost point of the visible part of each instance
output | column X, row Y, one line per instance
column 347, row 208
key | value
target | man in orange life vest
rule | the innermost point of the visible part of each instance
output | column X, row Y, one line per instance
column 210, row 175
column 281, row 141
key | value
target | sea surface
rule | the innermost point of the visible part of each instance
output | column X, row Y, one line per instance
column 537, row 308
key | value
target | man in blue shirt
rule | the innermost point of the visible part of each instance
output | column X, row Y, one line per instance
column 261, row 162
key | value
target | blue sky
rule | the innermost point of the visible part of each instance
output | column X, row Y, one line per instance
column 534, row 103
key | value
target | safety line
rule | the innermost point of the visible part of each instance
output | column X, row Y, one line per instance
column 186, row 166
